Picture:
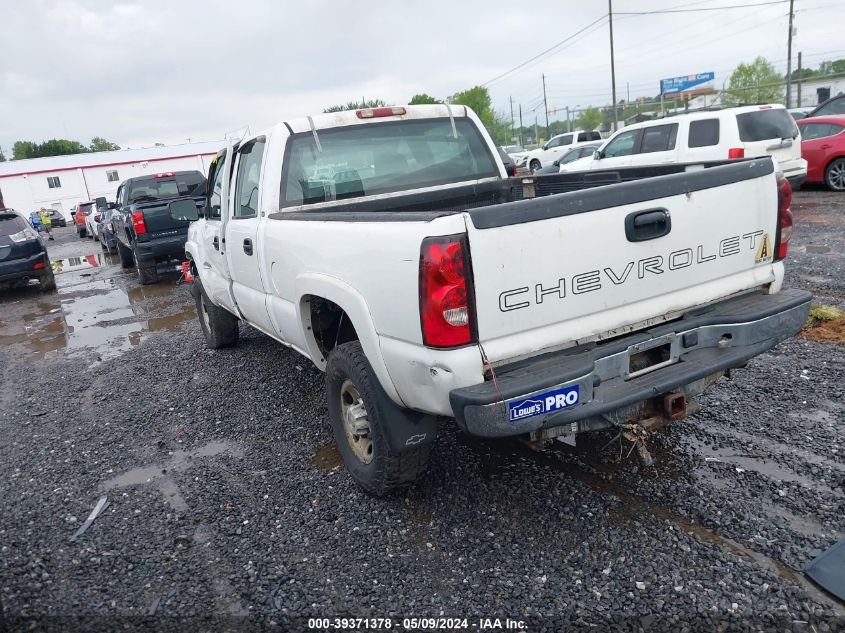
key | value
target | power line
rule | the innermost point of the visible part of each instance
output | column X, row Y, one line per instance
column 733, row 6
column 548, row 50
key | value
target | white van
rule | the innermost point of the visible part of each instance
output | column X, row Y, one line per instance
column 555, row 147
column 744, row 132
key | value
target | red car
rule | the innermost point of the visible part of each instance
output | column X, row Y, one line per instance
column 823, row 147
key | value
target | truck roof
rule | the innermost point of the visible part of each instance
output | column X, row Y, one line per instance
column 349, row 117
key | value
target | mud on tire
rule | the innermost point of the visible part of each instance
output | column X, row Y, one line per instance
column 387, row 468
column 219, row 326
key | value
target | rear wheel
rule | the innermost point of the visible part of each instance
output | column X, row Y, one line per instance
column 535, row 165
column 359, row 422
column 219, row 326
column 146, row 275
column 80, row 231
column 834, row 175
column 126, row 260
column 48, row 281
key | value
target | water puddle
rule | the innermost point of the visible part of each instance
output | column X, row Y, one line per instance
column 73, row 264
column 817, row 250
column 97, row 315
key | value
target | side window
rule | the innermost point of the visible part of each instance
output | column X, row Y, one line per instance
column 249, row 173
column 565, row 140
column 118, row 195
column 834, row 107
column 586, row 151
column 704, row 133
column 553, row 143
column 835, row 129
column 622, row 145
column 216, row 192
column 595, row 136
column 582, row 136
column 811, row 131
column 660, row 138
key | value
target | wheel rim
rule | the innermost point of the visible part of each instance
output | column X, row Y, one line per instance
column 836, row 175
column 356, row 422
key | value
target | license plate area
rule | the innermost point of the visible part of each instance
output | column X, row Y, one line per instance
column 651, row 355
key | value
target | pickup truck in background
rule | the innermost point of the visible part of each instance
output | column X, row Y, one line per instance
column 146, row 234
column 389, row 247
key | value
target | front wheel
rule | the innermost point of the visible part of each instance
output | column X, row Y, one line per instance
column 834, row 175
column 219, row 326
column 81, row 232
column 535, row 165
column 358, row 410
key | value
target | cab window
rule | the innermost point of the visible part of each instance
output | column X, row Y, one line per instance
column 660, row 138
column 622, row 145
column 703, row 133
column 216, row 192
column 810, row 131
column 249, row 174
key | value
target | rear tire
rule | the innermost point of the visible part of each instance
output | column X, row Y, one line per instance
column 146, row 275
column 48, row 281
column 355, row 399
column 219, row 326
column 81, row 232
column 834, row 175
column 126, row 260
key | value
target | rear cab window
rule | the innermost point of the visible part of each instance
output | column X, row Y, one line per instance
column 86, row 208
column 765, row 125
column 376, row 158
column 165, row 187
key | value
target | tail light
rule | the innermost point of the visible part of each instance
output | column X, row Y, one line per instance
column 38, row 266
column 447, row 312
column 373, row 113
column 97, row 217
column 165, row 174
column 138, row 223
column 736, row 152
column 785, row 219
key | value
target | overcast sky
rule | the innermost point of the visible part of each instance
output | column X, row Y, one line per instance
column 141, row 72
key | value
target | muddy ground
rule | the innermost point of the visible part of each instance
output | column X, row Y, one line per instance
column 228, row 508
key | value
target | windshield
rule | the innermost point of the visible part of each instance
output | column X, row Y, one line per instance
column 764, row 125
column 361, row 160
column 836, row 106
column 164, row 187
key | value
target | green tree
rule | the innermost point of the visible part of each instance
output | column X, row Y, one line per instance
column 99, row 144
column 53, row 147
column 357, row 105
column 423, row 99
column 589, row 119
column 757, row 82
column 478, row 99
column 2, row 156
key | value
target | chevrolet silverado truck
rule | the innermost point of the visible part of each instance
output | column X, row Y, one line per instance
column 146, row 234
column 388, row 246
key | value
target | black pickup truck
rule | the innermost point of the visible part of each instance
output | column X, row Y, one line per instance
column 146, row 233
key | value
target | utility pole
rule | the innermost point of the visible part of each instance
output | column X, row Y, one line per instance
column 546, row 106
column 521, row 140
column 536, row 137
column 789, row 58
column 511, row 98
column 568, row 124
column 628, row 91
column 799, row 80
column 613, row 67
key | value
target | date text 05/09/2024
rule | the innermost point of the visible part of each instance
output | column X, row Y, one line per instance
column 416, row 624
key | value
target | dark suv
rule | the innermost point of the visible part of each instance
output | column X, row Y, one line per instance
column 23, row 255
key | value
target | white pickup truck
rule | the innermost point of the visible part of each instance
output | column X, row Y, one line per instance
column 389, row 247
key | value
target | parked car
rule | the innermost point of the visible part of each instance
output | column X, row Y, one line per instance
column 577, row 152
column 823, row 146
column 713, row 135
column 92, row 223
column 834, row 105
column 554, row 148
column 508, row 162
column 23, row 254
column 516, row 152
column 80, row 216
column 105, row 231
column 147, row 234
column 385, row 245
column 799, row 113
column 57, row 218
column 35, row 221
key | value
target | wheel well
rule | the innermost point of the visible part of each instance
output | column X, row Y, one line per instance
column 829, row 163
column 330, row 325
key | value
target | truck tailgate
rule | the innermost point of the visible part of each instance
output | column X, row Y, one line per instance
column 564, row 268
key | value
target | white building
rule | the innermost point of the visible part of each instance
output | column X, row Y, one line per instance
column 62, row 181
column 817, row 90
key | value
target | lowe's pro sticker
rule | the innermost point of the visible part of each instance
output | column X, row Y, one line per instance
column 543, row 403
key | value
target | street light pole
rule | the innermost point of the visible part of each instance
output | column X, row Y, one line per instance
column 789, row 59
column 612, row 65
column 521, row 139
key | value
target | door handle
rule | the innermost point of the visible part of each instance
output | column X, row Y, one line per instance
column 826, row 146
column 216, row 243
column 647, row 225
column 248, row 246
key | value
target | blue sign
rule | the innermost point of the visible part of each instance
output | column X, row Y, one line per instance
column 687, row 82
column 542, row 403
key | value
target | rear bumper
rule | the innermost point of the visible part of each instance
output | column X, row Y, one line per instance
column 16, row 269
column 564, row 387
column 160, row 250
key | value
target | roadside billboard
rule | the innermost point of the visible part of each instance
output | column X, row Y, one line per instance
column 702, row 82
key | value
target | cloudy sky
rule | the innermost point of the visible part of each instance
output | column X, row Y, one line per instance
column 141, row 72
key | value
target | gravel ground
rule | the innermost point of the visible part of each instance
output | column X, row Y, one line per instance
column 228, row 508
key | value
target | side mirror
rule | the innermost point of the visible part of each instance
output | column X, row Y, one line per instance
column 183, row 210
column 598, row 155
column 101, row 203
column 556, row 163
column 545, row 146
